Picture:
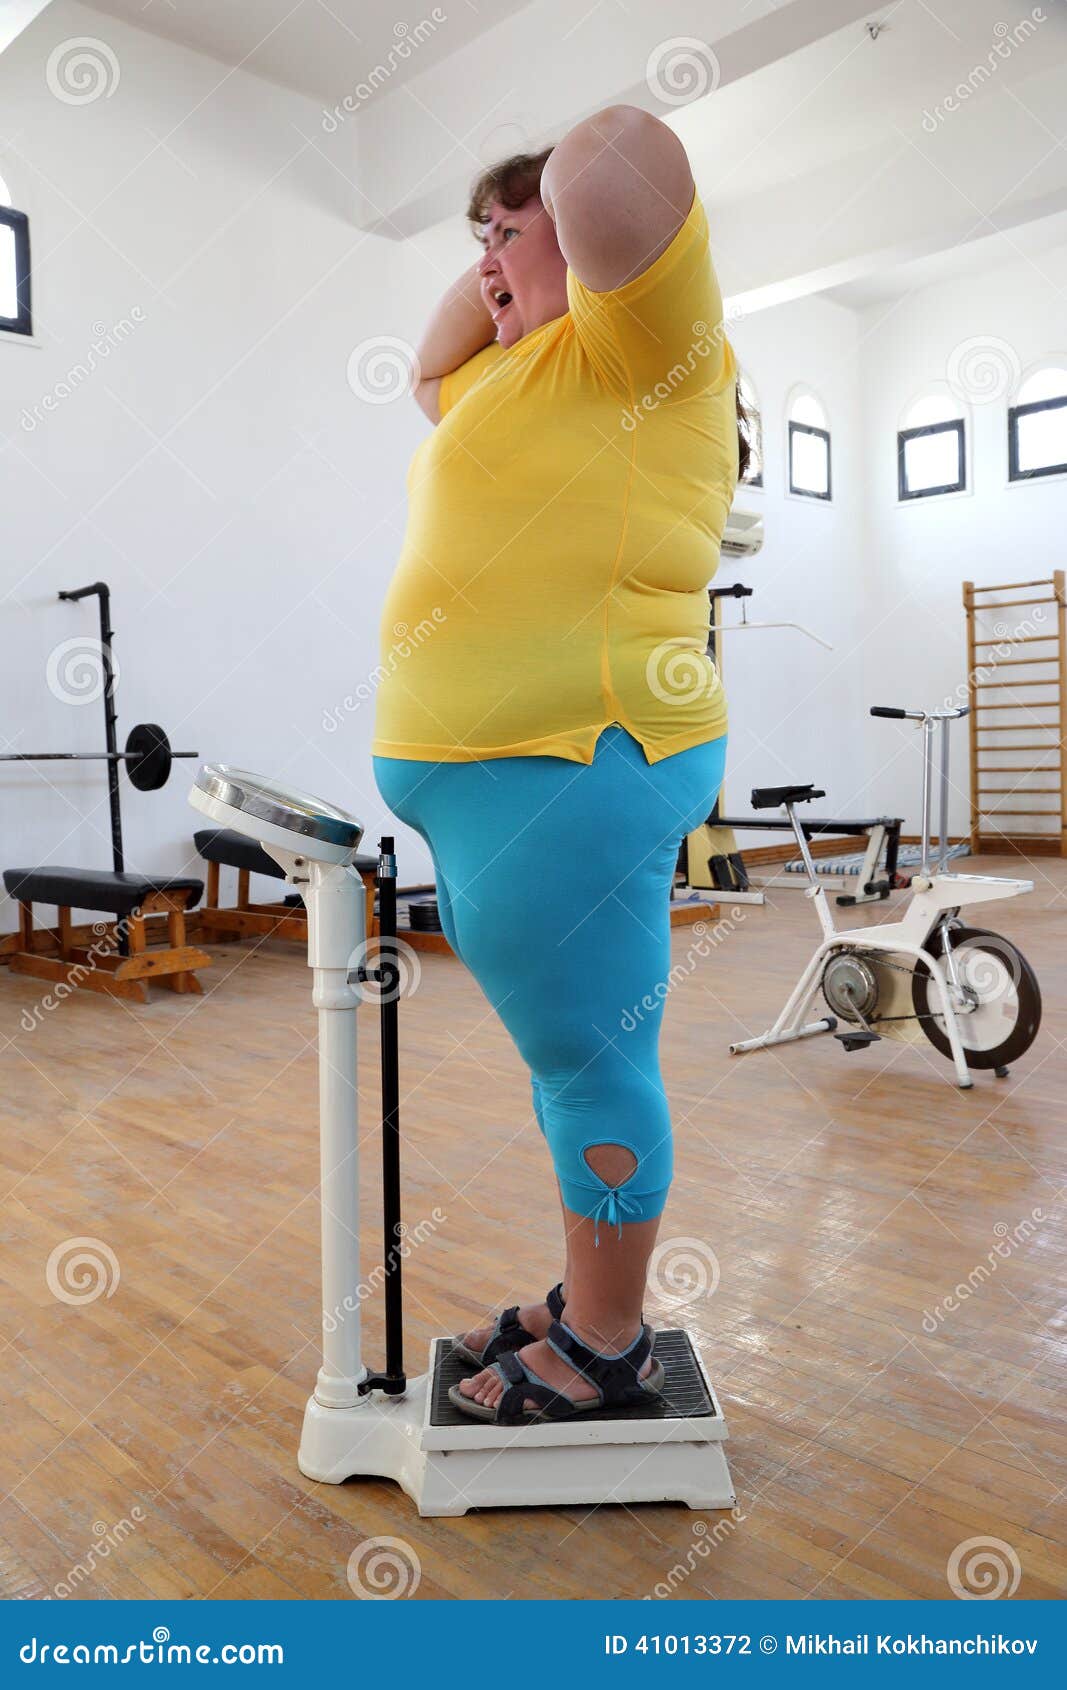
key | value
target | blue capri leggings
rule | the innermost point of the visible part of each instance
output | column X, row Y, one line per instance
column 553, row 885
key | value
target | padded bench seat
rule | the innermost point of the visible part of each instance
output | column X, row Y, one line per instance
column 120, row 960
column 95, row 889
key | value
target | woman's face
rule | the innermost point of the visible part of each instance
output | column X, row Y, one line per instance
column 523, row 273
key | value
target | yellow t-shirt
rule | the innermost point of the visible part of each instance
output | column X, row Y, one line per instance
column 564, row 521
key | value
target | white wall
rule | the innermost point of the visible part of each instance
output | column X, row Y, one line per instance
column 917, row 555
column 215, row 468
column 881, row 580
column 783, row 689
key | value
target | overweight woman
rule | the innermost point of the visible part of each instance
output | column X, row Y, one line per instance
column 554, row 727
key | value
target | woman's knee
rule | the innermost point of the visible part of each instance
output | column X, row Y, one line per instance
column 611, row 1146
column 612, row 1163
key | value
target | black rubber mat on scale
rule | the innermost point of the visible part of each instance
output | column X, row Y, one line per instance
column 684, row 1395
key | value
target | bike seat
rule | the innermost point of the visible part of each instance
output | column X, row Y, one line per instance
column 771, row 797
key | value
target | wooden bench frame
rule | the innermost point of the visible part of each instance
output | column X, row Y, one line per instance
column 100, row 967
column 218, row 923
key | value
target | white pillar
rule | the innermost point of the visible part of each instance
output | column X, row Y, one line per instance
column 335, row 905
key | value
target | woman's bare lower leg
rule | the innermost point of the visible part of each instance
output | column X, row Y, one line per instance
column 604, row 1295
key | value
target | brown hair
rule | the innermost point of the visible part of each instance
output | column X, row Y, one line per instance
column 744, row 436
column 515, row 180
column 512, row 182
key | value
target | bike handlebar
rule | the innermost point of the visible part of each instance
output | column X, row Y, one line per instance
column 920, row 715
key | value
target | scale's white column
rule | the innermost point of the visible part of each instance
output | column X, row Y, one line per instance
column 335, row 905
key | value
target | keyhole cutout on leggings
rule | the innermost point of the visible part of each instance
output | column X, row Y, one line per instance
column 612, row 1163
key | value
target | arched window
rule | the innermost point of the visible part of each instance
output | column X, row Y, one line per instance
column 809, row 447
column 1037, row 424
column 14, row 266
column 752, row 429
column 932, row 447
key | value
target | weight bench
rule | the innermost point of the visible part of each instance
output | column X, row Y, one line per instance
column 882, row 834
column 119, row 962
column 225, row 847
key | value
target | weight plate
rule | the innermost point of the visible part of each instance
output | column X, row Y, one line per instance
column 423, row 914
column 148, row 757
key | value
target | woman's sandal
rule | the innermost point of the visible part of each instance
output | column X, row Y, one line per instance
column 614, row 1378
column 508, row 1334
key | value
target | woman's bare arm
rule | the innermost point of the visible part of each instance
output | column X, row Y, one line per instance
column 459, row 327
column 618, row 187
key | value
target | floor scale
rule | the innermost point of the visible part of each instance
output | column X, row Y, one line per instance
column 381, row 1423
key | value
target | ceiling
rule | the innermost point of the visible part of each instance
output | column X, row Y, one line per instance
column 967, row 258
column 824, row 124
column 323, row 50
column 851, row 132
column 846, row 93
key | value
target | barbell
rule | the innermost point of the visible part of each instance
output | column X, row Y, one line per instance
column 147, row 756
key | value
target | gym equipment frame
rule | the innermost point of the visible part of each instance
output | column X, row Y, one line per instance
column 709, row 858
column 1007, row 720
column 876, row 878
column 120, row 961
column 383, row 1423
column 148, row 755
column 973, row 994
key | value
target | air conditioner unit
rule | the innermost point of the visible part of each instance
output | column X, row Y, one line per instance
column 743, row 534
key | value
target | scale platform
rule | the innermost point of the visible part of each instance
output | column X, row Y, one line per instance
column 448, row 1463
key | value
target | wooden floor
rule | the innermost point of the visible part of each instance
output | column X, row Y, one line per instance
column 150, row 1433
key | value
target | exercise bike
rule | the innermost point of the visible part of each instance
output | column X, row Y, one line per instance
column 972, row 993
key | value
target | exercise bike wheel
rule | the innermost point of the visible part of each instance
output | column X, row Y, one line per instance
column 1005, row 1022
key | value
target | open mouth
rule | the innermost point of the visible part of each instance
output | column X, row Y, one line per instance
column 501, row 300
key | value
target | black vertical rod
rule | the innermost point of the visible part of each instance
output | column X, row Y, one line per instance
column 100, row 590
column 389, row 981
column 721, row 878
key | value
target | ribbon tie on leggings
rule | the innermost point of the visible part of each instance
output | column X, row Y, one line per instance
column 612, row 1206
